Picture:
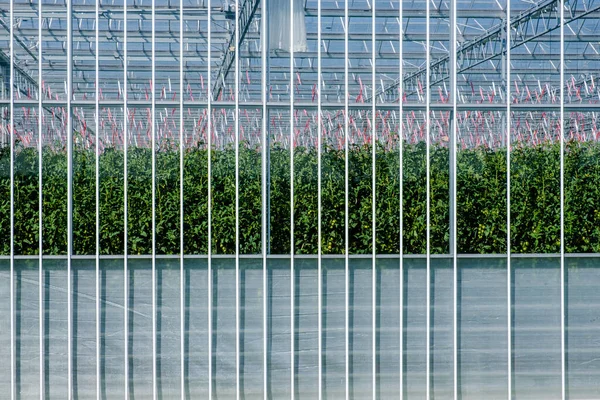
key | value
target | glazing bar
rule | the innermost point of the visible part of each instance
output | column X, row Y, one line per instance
column 428, row 210
column 181, row 242
column 319, row 213
column 97, row 159
column 346, row 207
column 237, row 204
column 69, row 198
column 373, row 208
column 209, row 246
column 563, row 358
column 292, row 272
column 153, row 141
column 12, row 205
column 265, row 148
column 453, row 200
column 508, row 243
column 40, row 208
column 401, row 189
column 125, row 216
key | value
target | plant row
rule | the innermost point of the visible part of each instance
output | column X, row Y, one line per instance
column 481, row 200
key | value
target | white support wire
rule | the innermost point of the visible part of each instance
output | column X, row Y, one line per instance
column 181, row 210
column 237, row 203
column 373, row 207
column 292, row 271
column 346, row 207
column 153, row 141
column 209, row 200
column 40, row 209
column 125, row 211
column 97, row 159
column 508, row 240
column 453, row 199
column 428, row 210
column 12, row 205
column 563, row 360
column 69, row 198
column 265, row 148
column 319, row 212
column 401, row 191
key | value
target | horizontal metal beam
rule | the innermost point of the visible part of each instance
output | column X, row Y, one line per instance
column 285, row 105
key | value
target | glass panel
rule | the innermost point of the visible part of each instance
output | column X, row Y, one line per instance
column 333, row 319
column 196, row 328
column 27, row 325
column 83, row 281
column 167, row 166
column 112, row 211
column 482, row 327
column 582, row 316
column 112, row 359
column 306, row 323
column 84, row 181
column 481, row 182
column 26, row 206
column 535, row 184
column 195, row 182
column 536, row 328
column 140, row 327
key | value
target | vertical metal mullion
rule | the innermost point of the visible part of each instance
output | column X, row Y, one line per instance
column 12, row 205
column 265, row 150
column 453, row 200
column 346, row 206
column 153, row 141
column 125, row 208
column 292, row 272
column 562, row 205
column 319, row 213
column 69, row 197
column 237, row 202
column 40, row 208
column 508, row 240
column 97, row 159
column 401, row 191
column 428, row 210
column 209, row 194
column 373, row 207
column 181, row 210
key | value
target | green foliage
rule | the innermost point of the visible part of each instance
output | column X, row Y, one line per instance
column 481, row 200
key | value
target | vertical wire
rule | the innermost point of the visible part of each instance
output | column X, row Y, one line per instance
column 12, row 205
column 373, row 210
column 181, row 241
column 346, row 206
column 97, row 159
column 319, row 213
column 401, row 189
column 266, row 148
column 292, row 272
column 209, row 200
column 125, row 208
column 69, row 198
column 153, row 72
column 428, row 210
column 508, row 240
column 562, row 205
column 237, row 202
column 453, row 211
column 40, row 208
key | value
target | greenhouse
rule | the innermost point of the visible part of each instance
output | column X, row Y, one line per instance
column 285, row 199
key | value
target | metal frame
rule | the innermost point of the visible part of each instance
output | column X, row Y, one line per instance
column 504, row 33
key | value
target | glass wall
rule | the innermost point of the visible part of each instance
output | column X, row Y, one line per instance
column 316, row 199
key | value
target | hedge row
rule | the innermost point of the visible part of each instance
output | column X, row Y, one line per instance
column 481, row 200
